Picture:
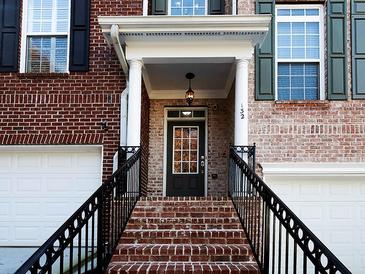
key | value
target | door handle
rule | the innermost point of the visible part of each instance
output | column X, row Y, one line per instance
column 202, row 164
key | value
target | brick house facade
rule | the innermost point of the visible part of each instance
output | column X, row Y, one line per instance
column 323, row 137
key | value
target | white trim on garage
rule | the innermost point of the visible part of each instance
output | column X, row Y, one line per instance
column 319, row 169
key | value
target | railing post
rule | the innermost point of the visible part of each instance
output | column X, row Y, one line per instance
column 266, row 262
column 254, row 158
column 100, row 233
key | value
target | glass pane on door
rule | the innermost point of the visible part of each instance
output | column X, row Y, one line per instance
column 185, row 149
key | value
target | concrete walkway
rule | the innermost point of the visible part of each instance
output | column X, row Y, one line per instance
column 11, row 258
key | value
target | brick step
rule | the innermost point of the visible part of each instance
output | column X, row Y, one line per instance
column 172, row 214
column 185, row 203
column 183, row 226
column 183, row 220
column 178, row 208
column 181, row 253
column 178, row 235
column 168, row 233
column 182, row 240
column 171, row 267
column 184, row 199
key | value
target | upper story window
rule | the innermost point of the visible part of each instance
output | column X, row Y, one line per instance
column 188, row 7
column 299, row 53
column 46, row 36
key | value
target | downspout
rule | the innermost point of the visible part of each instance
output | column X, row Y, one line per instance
column 114, row 35
column 123, row 116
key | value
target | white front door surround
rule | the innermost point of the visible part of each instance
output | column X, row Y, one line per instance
column 212, row 47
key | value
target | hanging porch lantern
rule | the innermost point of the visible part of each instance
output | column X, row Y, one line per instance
column 189, row 95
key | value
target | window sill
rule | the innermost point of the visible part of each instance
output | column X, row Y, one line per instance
column 302, row 102
column 43, row 75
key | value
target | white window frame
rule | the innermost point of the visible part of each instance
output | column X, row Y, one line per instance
column 25, row 34
column 169, row 9
column 320, row 19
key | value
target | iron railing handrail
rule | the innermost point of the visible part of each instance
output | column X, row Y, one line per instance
column 311, row 245
column 59, row 242
column 55, row 236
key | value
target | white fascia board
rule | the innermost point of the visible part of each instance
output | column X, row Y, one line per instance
column 189, row 49
column 186, row 23
column 313, row 169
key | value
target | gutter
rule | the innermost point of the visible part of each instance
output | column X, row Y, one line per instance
column 114, row 35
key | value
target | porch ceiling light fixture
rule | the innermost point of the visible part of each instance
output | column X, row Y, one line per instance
column 189, row 95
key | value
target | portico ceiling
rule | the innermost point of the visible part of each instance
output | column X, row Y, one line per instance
column 171, row 46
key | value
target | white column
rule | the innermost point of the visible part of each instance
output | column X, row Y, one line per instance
column 241, row 103
column 134, row 103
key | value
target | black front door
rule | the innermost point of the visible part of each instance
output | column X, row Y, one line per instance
column 185, row 158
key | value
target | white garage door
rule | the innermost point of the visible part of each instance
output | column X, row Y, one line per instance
column 40, row 187
column 332, row 206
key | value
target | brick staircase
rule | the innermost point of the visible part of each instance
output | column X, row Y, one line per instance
column 183, row 235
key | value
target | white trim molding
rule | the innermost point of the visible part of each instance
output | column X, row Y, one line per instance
column 320, row 18
column 181, row 39
column 251, row 27
column 314, row 169
column 166, row 120
column 54, row 33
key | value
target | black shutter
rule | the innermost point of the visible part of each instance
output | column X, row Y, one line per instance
column 159, row 7
column 264, row 56
column 79, row 40
column 336, row 50
column 216, row 7
column 358, row 49
column 9, row 35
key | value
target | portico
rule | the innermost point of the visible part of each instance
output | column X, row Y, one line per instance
column 156, row 53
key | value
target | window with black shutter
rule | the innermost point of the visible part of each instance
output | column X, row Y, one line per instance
column 9, row 35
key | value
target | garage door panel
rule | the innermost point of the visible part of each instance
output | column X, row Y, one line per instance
column 26, row 234
column 40, row 190
column 24, row 209
column 59, row 160
column 5, row 185
column 5, row 163
column 311, row 212
column 4, row 209
column 28, row 185
column 28, row 161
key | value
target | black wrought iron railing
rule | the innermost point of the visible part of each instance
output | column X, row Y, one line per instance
column 86, row 241
column 280, row 241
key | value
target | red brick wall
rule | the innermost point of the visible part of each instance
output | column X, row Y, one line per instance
column 68, row 108
column 219, row 137
column 308, row 131
column 145, row 140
